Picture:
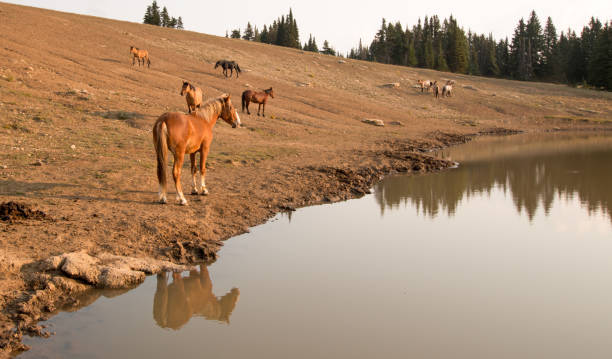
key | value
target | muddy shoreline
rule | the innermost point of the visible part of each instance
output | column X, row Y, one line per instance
column 57, row 282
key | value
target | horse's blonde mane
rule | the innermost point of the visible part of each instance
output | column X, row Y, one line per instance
column 212, row 107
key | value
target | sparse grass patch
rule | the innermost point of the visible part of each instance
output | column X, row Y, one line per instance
column 41, row 119
column 16, row 127
column 578, row 119
column 128, row 117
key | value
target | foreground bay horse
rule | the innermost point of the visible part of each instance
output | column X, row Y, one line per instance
column 189, row 134
column 140, row 55
column 261, row 98
column 193, row 95
column 228, row 65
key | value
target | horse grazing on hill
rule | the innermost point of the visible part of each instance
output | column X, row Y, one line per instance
column 182, row 133
column 424, row 84
column 261, row 98
column 193, row 96
column 228, row 65
column 448, row 88
column 140, row 55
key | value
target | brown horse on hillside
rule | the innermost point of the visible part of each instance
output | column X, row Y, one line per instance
column 182, row 133
column 261, row 98
column 140, row 55
column 447, row 89
column 436, row 89
column 425, row 84
column 194, row 96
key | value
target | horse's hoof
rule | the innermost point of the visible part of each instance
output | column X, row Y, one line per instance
column 183, row 203
column 163, row 201
column 204, row 192
column 194, row 192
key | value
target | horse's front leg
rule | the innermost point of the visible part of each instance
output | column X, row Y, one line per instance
column 264, row 110
column 179, row 157
column 203, row 156
column 194, row 172
column 258, row 108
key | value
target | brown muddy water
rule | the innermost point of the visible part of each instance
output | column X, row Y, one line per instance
column 507, row 256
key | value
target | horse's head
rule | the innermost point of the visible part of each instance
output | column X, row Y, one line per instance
column 184, row 88
column 270, row 92
column 229, row 113
column 132, row 49
column 218, row 63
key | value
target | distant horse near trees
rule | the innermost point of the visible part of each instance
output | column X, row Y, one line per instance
column 260, row 98
column 228, row 65
column 182, row 134
column 436, row 89
column 193, row 95
column 138, row 54
column 448, row 89
column 424, row 84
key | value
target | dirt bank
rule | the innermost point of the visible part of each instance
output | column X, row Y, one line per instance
column 76, row 156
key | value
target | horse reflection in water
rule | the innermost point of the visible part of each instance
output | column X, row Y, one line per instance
column 174, row 304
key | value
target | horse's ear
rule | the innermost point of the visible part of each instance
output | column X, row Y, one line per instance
column 227, row 97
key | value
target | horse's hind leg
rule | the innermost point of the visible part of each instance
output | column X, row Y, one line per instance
column 194, row 172
column 179, row 156
column 264, row 110
column 203, row 156
column 258, row 108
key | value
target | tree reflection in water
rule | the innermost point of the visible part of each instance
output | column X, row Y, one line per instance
column 534, row 171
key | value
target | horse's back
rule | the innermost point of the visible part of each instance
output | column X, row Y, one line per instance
column 177, row 123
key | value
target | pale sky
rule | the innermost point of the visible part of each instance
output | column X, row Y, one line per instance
column 343, row 22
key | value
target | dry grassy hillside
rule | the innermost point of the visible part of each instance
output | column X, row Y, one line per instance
column 67, row 80
column 76, row 117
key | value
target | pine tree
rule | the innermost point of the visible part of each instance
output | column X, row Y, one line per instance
column 520, row 65
column 248, row 32
column 165, row 18
column 379, row 48
column 600, row 67
column 264, row 36
column 148, row 16
column 550, row 57
column 235, row 34
column 535, row 44
column 457, row 48
column 179, row 23
column 589, row 40
column 327, row 49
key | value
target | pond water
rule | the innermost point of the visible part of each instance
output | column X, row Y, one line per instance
column 507, row 256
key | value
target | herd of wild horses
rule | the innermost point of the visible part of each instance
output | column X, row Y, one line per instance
column 191, row 133
column 445, row 91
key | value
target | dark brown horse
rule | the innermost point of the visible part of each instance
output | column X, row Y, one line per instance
column 140, row 55
column 182, row 134
column 261, row 98
column 228, row 65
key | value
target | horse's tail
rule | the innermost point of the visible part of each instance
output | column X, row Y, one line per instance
column 148, row 62
column 243, row 100
column 237, row 68
column 160, row 141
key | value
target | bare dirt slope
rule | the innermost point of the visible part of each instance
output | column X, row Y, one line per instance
column 76, row 118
